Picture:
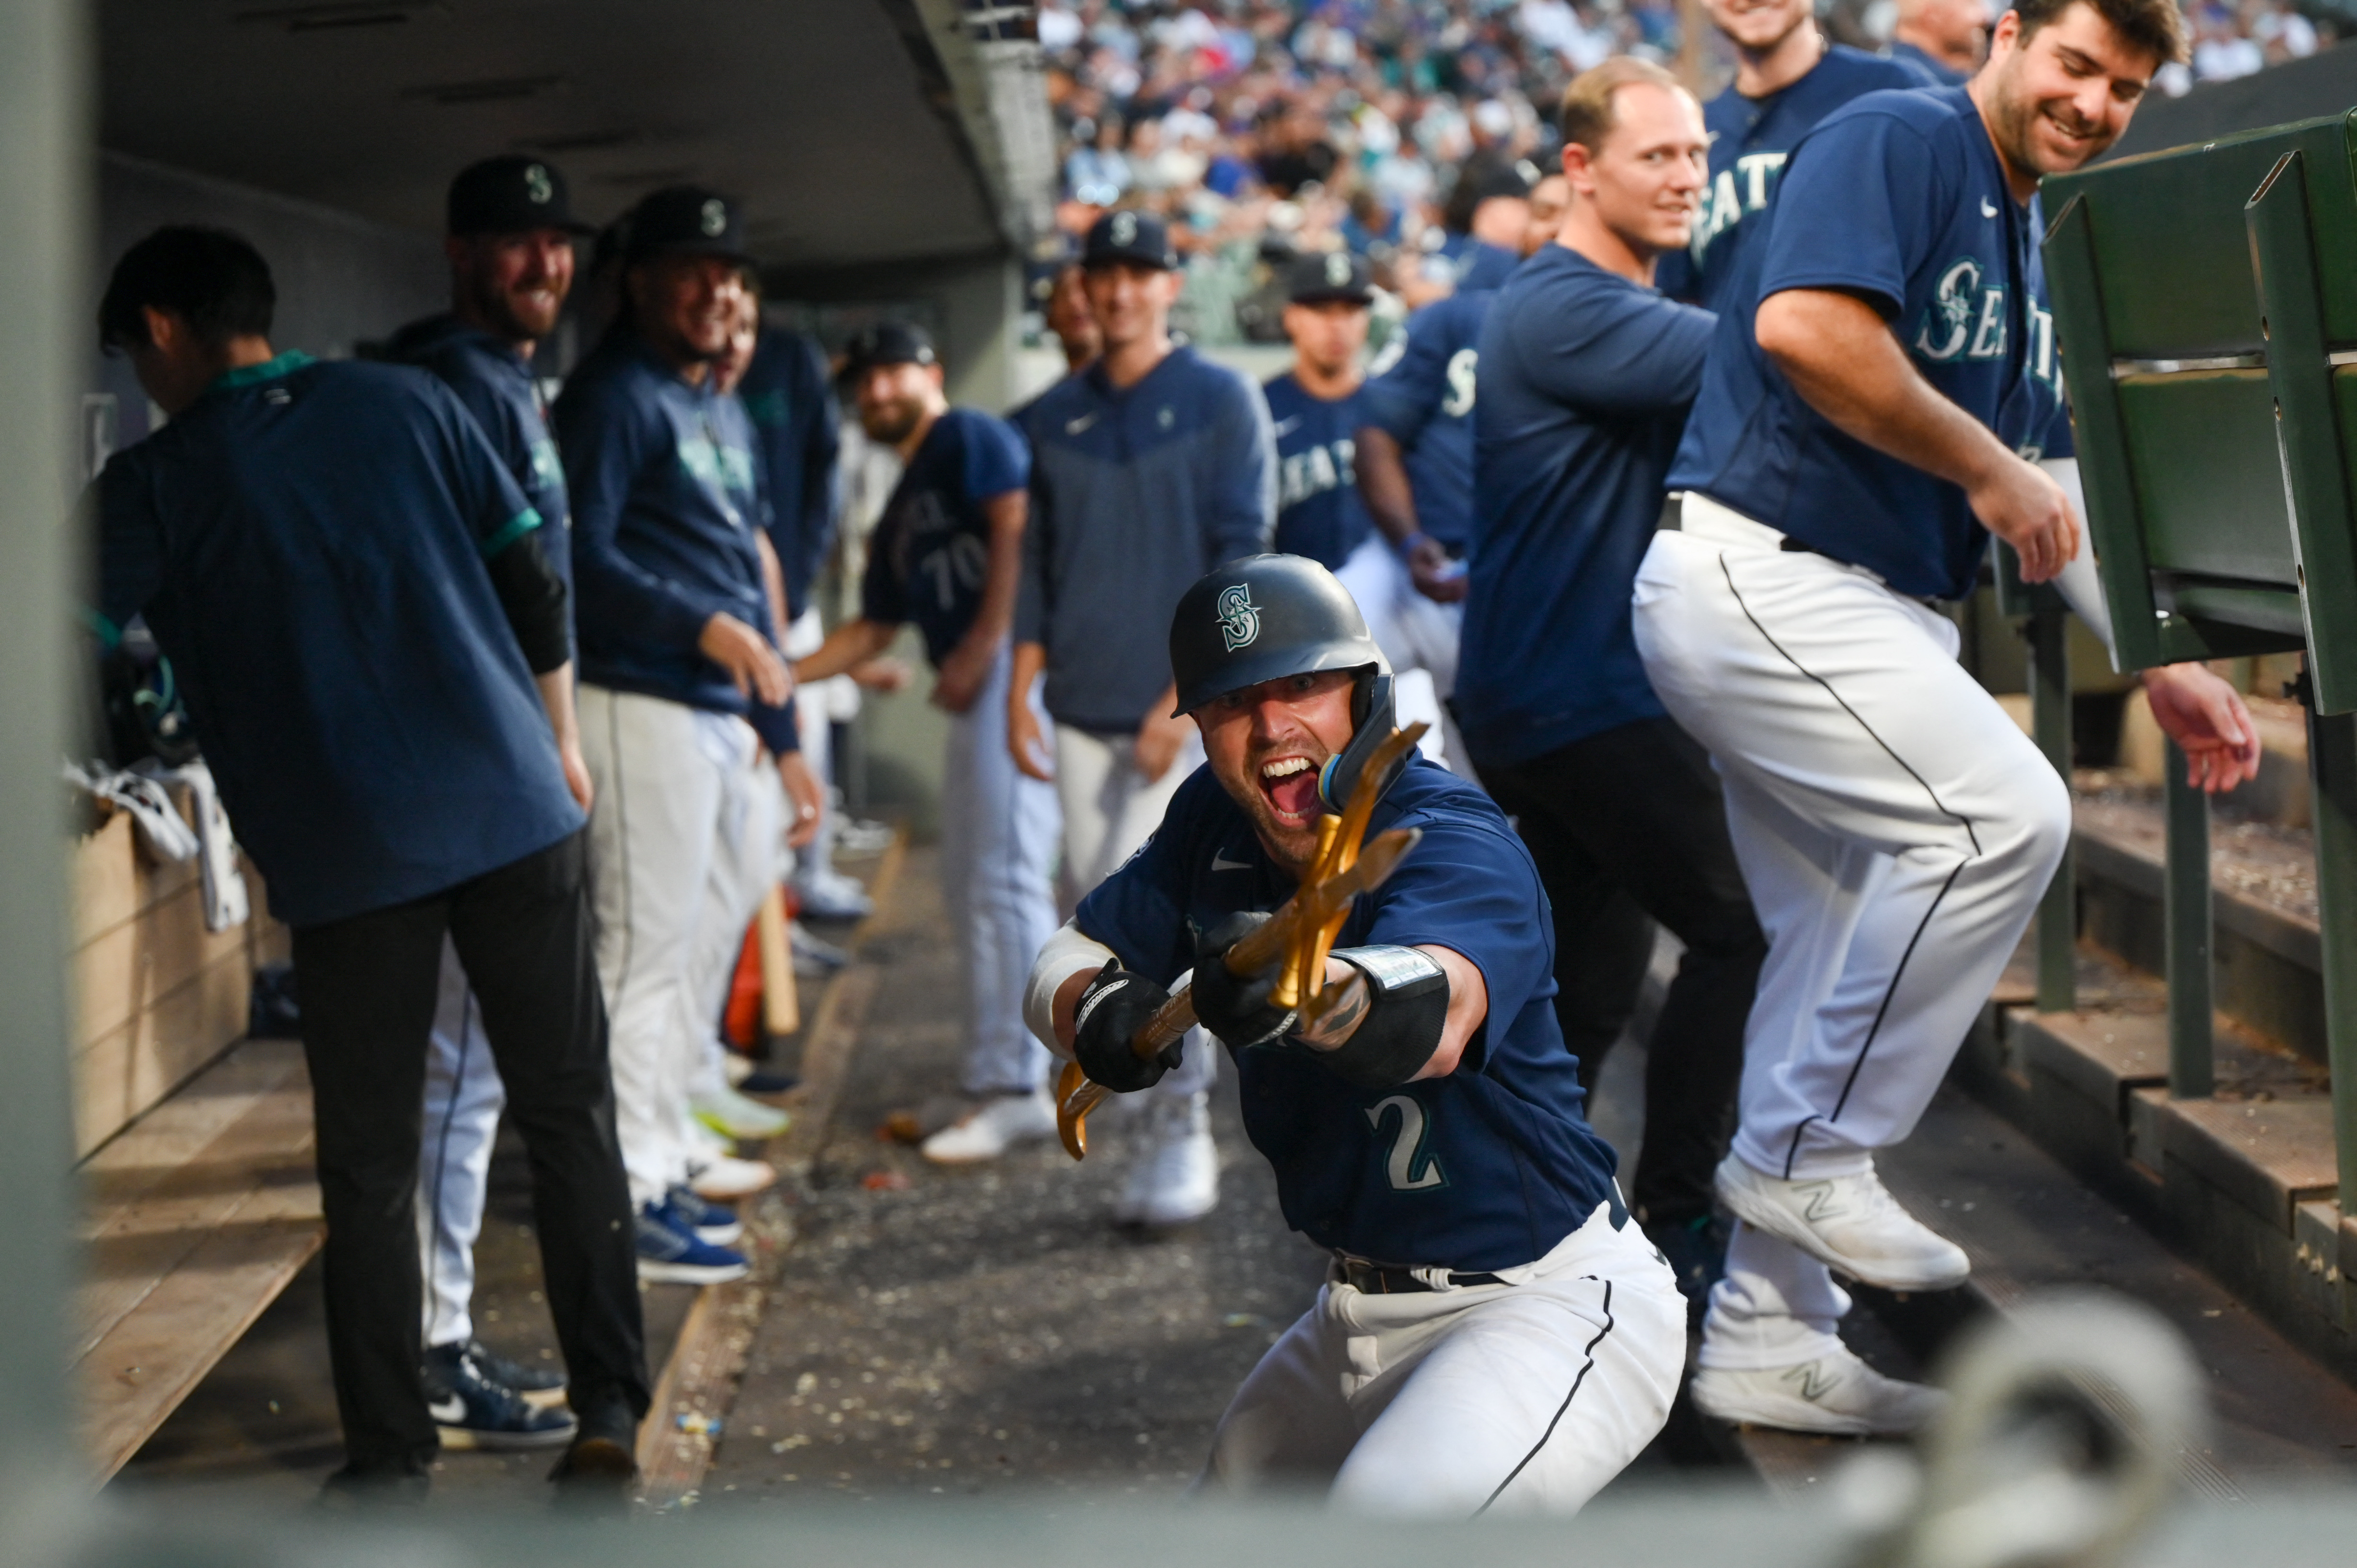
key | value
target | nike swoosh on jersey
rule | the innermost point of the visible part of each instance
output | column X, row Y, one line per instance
column 1287, row 426
column 1988, row 208
column 1220, row 862
column 453, row 1409
column 1074, row 427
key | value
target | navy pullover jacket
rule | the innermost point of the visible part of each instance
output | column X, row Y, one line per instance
column 796, row 440
column 1135, row 494
column 664, row 509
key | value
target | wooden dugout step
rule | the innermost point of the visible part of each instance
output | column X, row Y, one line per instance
column 195, row 1217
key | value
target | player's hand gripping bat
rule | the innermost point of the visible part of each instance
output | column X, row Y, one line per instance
column 1298, row 935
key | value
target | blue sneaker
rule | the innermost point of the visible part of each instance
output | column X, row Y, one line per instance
column 716, row 1223
column 514, row 1374
column 473, row 1411
column 670, row 1252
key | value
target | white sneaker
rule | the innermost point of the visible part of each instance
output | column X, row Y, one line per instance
column 734, row 1115
column 1177, row 1177
column 727, row 1177
column 1837, row 1394
column 1849, row 1223
column 989, row 1131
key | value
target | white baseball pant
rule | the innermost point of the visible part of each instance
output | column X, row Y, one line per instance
column 999, row 829
column 749, row 859
column 1895, row 827
column 1110, row 809
column 1521, row 1398
column 1419, row 638
column 463, row 1101
column 669, row 779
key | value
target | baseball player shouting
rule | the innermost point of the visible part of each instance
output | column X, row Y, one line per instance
column 1857, row 437
column 1494, row 1332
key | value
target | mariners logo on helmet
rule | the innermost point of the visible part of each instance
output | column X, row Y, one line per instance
column 715, row 216
column 1338, row 268
column 1124, row 228
column 1239, row 617
column 537, row 185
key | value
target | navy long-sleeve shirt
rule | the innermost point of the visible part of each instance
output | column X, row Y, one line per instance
column 1135, row 494
column 797, row 438
column 664, row 510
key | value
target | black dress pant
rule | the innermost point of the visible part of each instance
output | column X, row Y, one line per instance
column 524, row 934
column 1628, row 828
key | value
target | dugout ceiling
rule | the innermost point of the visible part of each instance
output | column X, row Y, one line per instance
column 856, row 131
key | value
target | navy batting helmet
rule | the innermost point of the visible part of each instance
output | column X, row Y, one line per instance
column 1266, row 617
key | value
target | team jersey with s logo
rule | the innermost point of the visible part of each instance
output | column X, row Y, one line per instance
column 1749, row 140
column 930, row 555
column 1485, row 1168
column 1422, row 396
column 1900, row 199
column 1318, row 512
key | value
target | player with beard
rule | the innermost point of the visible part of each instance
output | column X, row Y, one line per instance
column 1494, row 1333
column 511, row 250
column 682, row 687
column 1858, row 436
column 1788, row 76
column 947, row 554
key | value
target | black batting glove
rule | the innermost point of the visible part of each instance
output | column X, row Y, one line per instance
column 1117, row 1005
column 1236, row 1007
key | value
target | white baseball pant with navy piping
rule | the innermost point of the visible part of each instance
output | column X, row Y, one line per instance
column 1419, row 640
column 1896, row 828
column 1520, row 1398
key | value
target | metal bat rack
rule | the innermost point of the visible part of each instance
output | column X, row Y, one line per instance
column 1300, row 933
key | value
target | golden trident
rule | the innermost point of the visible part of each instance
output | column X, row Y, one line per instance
column 1299, row 934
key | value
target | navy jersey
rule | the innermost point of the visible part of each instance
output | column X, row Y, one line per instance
column 307, row 543
column 1136, row 492
column 1749, row 140
column 1318, row 512
column 1485, row 266
column 1585, row 378
column 1897, row 198
column 1422, row 396
column 1929, row 71
column 1485, row 1168
column 797, row 436
column 664, row 506
column 496, row 384
column 930, row 554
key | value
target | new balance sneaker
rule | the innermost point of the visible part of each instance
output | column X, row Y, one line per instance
column 723, row 1177
column 1176, row 1177
column 990, row 1130
column 855, row 836
column 471, row 1411
column 1837, row 1394
column 712, row 1222
column 514, row 1374
column 831, row 896
column 816, row 957
column 1849, row 1223
column 670, row 1252
column 733, row 1115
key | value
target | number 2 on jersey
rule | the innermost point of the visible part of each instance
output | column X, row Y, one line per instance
column 1409, row 1168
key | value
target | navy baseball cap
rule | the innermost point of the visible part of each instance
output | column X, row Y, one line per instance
column 511, row 196
column 889, row 343
column 686, row 219
column 1491, row 178
column 1139, row 238
column 1322, row 275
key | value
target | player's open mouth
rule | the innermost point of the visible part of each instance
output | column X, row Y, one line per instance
column 1291, row 785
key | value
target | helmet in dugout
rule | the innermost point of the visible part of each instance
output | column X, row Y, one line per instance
column 1263, row 617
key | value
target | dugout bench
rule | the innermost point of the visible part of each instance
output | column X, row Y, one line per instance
column 2205, row 304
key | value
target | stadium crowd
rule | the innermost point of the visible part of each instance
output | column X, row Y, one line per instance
column 1262, row 128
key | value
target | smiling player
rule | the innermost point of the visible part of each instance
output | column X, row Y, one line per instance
column 1857, row 437
column 1494, row 1332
